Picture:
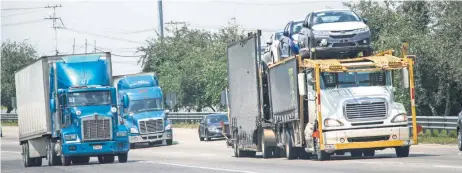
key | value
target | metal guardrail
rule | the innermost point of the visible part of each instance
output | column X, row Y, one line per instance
column 427, row 122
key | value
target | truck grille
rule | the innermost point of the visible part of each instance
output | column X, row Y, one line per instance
column 99, row 129
column 151, row 126
column 370, row 110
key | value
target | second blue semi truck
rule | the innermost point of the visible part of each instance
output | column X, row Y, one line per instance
column 67, row 111
column 145, row 115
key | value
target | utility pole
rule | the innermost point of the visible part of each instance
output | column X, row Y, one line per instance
column 95, row 47
column 161, row 18
column 73, row 47
column 86, row 46
column 55, row 26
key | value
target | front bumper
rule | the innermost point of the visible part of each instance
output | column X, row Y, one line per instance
column 95, row 148
column 342, row 43
column 367, row 138
column 215, row 134
column 153, row 137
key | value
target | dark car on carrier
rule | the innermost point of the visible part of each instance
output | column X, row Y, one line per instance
column 211, row 126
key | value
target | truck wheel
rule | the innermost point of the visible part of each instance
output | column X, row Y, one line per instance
column 28, row 162
column 266, row 151
column 369, row 153
column 290, row 150
column 321, row 155
column 356, row 153
column 169, row 141
column 52, row 157
column 459, row 139
column 66, row 160
column 122, row 157
column 402, row 151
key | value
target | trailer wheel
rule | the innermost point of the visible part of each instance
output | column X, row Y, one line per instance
column 266, row 150
column 402, row 151
column 290, row 150
column 28, row 162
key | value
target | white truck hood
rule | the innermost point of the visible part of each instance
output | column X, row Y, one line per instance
column 332, row 99
column 339, row 26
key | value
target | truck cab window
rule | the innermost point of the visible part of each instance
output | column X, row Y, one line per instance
column 145, row 105
column 354, row 79
column 90, row 98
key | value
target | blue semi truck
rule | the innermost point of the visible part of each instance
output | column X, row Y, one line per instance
column 145, row 115
column 67, row 111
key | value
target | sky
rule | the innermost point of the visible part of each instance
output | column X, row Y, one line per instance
column 122, row 26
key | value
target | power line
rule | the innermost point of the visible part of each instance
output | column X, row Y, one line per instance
column 23, row 23
column 11, row 9
column 104, row 36
column 18, row 14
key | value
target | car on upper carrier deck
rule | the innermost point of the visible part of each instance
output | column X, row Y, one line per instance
column 334, row 33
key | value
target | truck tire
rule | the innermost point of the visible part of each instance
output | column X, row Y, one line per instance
column 52, row 157
column 290, row 150
column 109, row 158
column 28, row 162
column 402, row 151
column 321, row 155
column 369, row 153
column 265, row 150
column 169, row 141
column 122, row 157
column 66, row 160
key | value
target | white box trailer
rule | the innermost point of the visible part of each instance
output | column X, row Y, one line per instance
column 32, row 100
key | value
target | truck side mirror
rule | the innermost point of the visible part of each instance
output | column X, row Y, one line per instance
column 125, row 101
column 53, row 105
column 405, row 77
column 301, row 84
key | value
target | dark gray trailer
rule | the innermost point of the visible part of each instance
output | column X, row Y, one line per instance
column 263, row 103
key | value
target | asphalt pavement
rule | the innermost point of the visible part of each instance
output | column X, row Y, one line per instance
column 189, row 155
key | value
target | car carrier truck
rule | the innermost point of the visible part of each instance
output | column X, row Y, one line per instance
column 299, row 108
column 145, row 115
column 67, row 111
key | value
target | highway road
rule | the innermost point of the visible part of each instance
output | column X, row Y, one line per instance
column 189, row 155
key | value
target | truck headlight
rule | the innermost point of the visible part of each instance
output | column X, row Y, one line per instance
column 124, row 133
column 78, row 113
column 168, row 127
column 399, row 118
column 332, row 123
column 213, row 128
column 113, row 109
column 133, row 130
column 70, row 137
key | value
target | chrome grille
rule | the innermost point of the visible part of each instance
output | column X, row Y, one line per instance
column 369, row 110
column 151, row 126
column 96, row 129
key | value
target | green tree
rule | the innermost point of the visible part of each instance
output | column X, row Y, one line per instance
column 192, row 64
column 15, row 55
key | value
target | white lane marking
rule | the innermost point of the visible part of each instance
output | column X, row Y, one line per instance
column 199, row 167
column 373, row 162
column 16, row 152
column 448, row 166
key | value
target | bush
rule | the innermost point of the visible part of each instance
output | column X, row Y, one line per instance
column 453, row 134
column 428, row 133
column 435, row 133
column 443, row 133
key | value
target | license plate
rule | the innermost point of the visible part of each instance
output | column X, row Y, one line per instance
column 97, row 147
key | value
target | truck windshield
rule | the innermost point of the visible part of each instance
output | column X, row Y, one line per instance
column 354, row 79
column 89, row 98
column 145, row 105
